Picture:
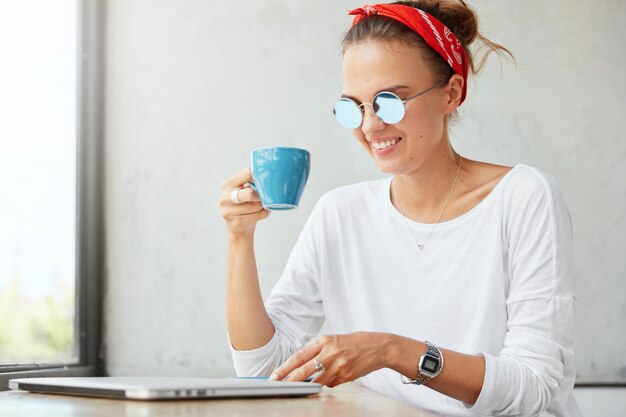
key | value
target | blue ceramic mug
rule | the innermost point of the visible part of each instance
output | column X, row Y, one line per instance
column 280, row 174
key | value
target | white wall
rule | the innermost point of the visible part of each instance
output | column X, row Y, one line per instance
column 192, row 86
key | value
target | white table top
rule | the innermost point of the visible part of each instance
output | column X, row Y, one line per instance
column 346, row 400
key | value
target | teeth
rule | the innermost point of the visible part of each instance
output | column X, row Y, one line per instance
column 383, row 145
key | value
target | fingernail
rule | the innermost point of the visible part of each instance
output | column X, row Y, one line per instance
column 273, row 377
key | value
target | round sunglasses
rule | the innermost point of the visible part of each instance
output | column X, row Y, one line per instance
column 387, row 106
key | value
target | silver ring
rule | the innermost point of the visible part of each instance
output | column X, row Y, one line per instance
column 318, row 365
column 233, row 196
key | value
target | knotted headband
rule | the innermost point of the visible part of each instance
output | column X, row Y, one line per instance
column 435, row 33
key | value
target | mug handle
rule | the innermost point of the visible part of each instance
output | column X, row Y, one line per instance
column 251, row 184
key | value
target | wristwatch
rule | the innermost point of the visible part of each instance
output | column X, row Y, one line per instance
column 429, row 366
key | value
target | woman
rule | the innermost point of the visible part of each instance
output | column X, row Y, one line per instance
column 475, row 257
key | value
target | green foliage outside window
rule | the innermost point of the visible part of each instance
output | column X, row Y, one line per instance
column 36, row 330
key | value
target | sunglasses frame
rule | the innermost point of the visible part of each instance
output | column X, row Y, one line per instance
column 361, row 106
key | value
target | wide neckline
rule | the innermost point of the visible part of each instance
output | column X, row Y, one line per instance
column 451, row 222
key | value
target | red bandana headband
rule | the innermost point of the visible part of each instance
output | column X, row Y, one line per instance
column 435, row 33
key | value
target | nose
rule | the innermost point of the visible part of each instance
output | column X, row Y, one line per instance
column 371, row 122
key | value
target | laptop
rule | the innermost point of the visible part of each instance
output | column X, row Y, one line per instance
column 165, row 388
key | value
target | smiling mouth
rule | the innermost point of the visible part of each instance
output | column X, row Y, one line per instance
column 384, row 144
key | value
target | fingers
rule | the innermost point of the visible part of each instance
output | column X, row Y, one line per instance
column 302, row 373
column 249, row 202
column 241, row 217
column 246, row 212
column 246, row 195
column 238, row 180
column 301, row 359
column 343, row 358
column 327, row 378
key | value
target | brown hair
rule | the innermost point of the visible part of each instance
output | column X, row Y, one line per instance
column 455, row 14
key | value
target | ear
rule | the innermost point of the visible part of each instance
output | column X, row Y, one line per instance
column 453, row 92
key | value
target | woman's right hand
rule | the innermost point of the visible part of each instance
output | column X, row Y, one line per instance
column 241, row 219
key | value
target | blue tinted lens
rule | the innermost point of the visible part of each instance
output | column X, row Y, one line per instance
column 348, row 114
column 389, row 108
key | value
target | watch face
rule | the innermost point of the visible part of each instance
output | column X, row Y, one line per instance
column 430, row 364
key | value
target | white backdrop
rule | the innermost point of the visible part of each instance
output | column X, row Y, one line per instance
column 192, row 86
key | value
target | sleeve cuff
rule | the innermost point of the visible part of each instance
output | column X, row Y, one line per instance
column 247, row 362
column 480, row 406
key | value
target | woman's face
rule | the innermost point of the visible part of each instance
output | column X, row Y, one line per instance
column 374, row 66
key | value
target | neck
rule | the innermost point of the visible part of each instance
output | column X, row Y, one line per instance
column 424, row 191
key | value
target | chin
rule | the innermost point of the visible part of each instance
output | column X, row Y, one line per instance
column 386, row 168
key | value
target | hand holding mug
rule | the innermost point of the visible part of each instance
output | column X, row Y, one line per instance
column 275, row 181
column 241, row 217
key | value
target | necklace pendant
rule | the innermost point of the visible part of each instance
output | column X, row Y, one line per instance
column 420, row 245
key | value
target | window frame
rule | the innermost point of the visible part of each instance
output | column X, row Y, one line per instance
column 89, row 205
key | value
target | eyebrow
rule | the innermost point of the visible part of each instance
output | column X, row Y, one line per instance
column 391, row 89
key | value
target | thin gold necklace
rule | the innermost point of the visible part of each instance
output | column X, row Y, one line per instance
column 421, row 245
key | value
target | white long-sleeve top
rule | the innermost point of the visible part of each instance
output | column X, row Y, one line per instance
column 498, row 280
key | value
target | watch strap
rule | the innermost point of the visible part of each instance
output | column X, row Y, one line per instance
column 431, row 350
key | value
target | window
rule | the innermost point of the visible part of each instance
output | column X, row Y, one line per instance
column 49, row 188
